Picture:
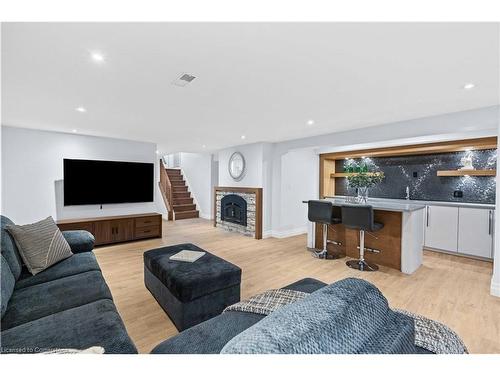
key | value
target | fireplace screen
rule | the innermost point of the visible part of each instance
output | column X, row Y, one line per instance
column 233, row 209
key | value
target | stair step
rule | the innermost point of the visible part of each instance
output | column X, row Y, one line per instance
column 186, row 215
column 178, row 183
column 173, row 171
column 181, row 194
column 182, row 201
column 179, row 189
column 184, row 207
column 175, row 178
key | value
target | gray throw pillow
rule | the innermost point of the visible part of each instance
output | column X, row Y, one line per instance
column 40, row 244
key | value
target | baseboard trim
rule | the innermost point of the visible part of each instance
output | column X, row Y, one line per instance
column 205, row 216
column 495, row 288
column 288, row 232
column 267, row 234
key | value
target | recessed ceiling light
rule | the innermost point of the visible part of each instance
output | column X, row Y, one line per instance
column 204, row 146
column 75, row 131
column 97, row 57
column 469, row 86
column 80, row 109
column 310, row 122
column 243, row 137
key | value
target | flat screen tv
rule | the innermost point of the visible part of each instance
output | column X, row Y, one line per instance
column 101, row 182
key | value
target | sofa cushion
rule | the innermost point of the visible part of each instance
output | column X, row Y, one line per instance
column 78, row 263
column 210, row 336
column 40, row 244
column 350, row 316
column 187, row 281
column 48, row 298
column 93, row 324
column 7, row 284
column 9, row 248
column 80, row 241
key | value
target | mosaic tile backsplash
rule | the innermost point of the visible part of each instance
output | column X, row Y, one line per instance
column 419, row 173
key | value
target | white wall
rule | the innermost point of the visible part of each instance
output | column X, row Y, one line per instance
column 299, row 182
column 495, row 279
column 32, row 173
column 254, row 157
column 197, row 170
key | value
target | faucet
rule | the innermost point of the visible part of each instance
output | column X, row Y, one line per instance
column 407, row 193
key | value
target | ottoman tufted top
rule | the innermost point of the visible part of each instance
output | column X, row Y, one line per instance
column 188, row 281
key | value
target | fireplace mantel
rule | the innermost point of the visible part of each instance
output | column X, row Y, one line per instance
column 257, row 192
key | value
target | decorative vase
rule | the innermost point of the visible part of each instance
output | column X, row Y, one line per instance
column 363, row 194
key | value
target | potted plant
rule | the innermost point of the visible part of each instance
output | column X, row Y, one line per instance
column 363, row 178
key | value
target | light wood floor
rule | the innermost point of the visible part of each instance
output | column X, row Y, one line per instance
column 450, row 289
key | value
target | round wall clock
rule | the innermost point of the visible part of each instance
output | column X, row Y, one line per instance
column 237, row 166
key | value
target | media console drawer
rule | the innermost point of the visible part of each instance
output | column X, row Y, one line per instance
column 147, row 221
column 151, row 231
column 115, row 229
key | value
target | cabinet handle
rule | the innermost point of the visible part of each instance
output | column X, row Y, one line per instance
column 490, row 222
column 428, row 210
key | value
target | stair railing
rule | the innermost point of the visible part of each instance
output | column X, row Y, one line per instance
column 166, row 190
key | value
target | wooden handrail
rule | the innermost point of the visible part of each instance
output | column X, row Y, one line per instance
column 166, row 189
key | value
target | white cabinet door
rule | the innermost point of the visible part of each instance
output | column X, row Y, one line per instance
column 441, row 227
column 475, row 232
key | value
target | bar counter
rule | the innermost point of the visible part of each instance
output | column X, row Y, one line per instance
column 398, row 245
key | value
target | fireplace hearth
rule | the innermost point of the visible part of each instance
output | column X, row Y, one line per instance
column 234, row 209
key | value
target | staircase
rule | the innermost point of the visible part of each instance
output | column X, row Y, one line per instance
column 182, row 202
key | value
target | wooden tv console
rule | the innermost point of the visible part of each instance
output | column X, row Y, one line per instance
column 114, row 229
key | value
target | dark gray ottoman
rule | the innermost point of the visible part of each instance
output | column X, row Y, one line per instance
column 191, row 293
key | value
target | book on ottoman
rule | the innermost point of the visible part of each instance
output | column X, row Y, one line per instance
column 187, row 256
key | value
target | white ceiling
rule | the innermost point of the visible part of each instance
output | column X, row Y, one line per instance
column 261, row 80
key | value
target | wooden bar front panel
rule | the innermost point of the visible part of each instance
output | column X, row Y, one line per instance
column 388, row 240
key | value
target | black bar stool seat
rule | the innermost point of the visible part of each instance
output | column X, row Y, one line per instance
column 360, row 217
column 325, row 213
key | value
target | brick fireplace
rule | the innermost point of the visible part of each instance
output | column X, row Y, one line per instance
column 239, row 209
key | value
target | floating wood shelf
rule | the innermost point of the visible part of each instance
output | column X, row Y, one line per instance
column 345, row 174
column 467, row 172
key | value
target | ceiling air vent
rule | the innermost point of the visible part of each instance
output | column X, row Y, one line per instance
column 183, row 80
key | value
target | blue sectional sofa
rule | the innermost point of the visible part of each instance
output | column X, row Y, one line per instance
column 67, row 305
column 211, row 336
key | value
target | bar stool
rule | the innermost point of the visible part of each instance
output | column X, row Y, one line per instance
column 360, row 217
column 323, row 212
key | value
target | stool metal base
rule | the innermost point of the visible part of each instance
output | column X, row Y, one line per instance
column 361, row 265
column 320, row 254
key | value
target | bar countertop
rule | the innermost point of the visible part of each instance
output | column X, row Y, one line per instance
column 381, row 204
column 425, row 203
